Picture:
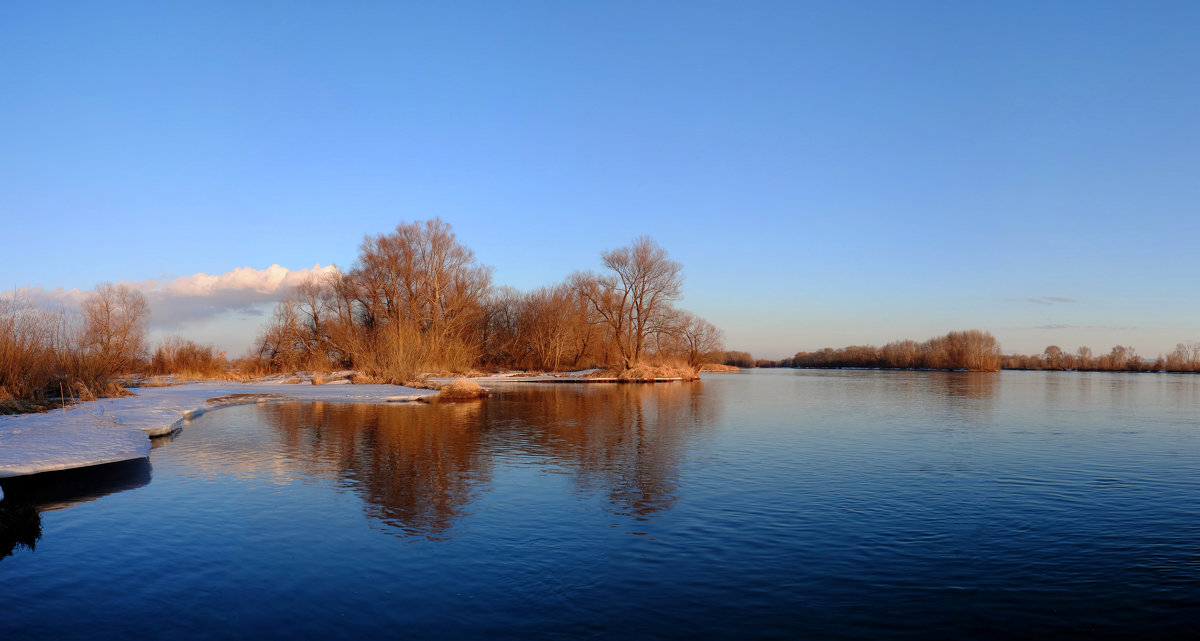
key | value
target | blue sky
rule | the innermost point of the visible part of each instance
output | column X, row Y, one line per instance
column 828, row 173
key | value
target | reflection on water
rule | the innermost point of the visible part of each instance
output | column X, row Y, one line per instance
column 20, row 527
column 979, row 386
column 624, row 440
column 26, row 497
column 418, row 468
column 415, row 467
column 771, row 504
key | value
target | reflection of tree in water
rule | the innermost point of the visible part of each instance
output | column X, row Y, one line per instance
column 418, row 467
column 973, row 385
column 625, row 440
column 20, row 526
column 26, row 497
column 415, row 467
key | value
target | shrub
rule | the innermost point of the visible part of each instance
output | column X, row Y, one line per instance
column 46, row 355
column 461, row 389
column 187, row 359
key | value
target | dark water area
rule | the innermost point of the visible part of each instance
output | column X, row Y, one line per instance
column 772, row 504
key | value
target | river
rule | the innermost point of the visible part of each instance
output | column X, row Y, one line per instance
column 765, row 504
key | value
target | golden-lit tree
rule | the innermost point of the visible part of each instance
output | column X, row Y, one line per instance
column 413, row 300
column 699, row 340
column 416, row 301
column 973, row 350
column 1083, row 357
column 634, row 298
column 1053, row 357
column 115, row 318
column 420, row 278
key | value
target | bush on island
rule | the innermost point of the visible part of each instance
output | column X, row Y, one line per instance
column 461, row 389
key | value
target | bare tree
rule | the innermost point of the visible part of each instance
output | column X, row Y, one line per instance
column 1177, row 360
column 701, row 341
column 901, row 354
column 1053, row 356
column 633, row 300
column 1085, row 357
column 115, row 326
column 420, row 276
column 546, row 318
column 1121, row 358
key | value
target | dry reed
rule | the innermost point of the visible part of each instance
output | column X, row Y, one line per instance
column 461, row 389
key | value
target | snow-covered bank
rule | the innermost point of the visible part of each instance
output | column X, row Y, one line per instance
column 117, row 429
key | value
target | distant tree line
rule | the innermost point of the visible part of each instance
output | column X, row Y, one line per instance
column 940, row 353
column 739, row 359
column 1184, row 358
column 973, row 350
column 416, row 301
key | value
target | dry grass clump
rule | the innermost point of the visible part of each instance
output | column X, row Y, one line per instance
column 159, row 381
column 461, row 389
column 369, row 378
column 246, row 368
column 360, row 378
column 648, row 373
column 187, row 359
column 235, row 399
column 318, row 379
column 421, row 382
column 399, row 357
column 107, row 389
column 719, row 367
column 9, row 404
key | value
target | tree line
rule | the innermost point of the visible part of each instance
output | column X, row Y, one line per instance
column 973, row 350
column 976, row 350
column 1121, row 358
column 416, row 301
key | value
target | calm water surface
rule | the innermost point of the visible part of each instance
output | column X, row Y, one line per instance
column 773, row 504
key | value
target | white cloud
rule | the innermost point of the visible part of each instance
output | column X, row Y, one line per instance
column 199, row 297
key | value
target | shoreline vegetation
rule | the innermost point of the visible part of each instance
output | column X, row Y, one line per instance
column 415, row 304
column 415, row 301
column 975, row 350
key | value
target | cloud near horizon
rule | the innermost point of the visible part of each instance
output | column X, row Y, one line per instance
column 1051, row 300
column 1120, row 328
column 193, row 298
